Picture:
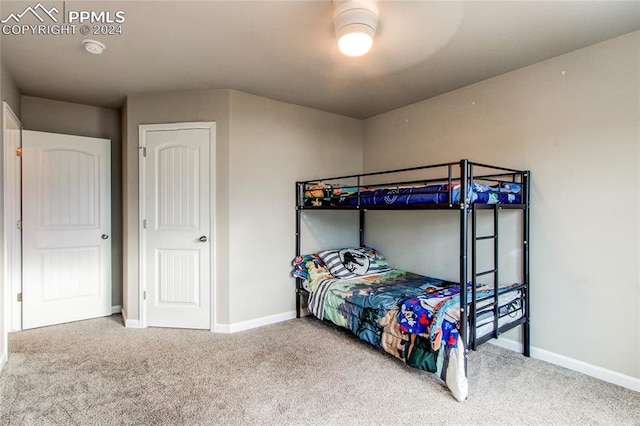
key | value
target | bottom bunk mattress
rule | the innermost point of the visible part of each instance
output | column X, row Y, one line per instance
column 412, row 317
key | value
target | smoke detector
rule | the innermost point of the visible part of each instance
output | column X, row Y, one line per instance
column 93, row 46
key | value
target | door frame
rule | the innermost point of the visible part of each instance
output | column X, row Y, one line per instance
column 12, row 255
column 13, row 232
column 142, row 215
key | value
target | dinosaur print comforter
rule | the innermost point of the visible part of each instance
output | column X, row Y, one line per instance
column 371, row 307
column 412, row 317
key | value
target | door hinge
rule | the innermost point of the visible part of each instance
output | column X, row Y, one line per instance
column 144, row 295
column 19, row 152
column 19, row 224
column 19, row 297
column 144, row 151
column 144, row 223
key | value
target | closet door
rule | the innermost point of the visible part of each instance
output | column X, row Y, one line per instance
column 176, row 234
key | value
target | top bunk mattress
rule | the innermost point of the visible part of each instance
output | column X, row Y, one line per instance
column 322, row 195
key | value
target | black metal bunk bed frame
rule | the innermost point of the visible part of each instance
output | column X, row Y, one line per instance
column 466, row 174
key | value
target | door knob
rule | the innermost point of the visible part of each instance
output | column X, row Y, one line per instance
column 105, row 236
column 203, row 239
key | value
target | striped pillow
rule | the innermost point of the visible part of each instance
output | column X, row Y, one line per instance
column 353, row 262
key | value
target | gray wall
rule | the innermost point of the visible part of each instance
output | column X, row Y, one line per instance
column 10, row 93
column 51, row 116
column 258, row 141
column 4, row 329
column 274, row 144
column 574, row 121
column 123, row 214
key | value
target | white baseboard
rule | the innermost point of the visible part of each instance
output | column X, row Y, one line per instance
column 604, row 374
column 254, row 323
column 3, row 361
column 116, row 309
column 129, row 323
column 509, row 344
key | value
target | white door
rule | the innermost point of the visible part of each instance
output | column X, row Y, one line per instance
column 66, row 221
column 176, row 230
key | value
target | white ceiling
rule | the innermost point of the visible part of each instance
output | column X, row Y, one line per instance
column 286, row 50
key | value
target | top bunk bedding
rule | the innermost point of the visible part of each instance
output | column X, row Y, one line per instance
column 436, row 186
column 321, row 194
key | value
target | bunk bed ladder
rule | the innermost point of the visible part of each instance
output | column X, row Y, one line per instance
column 465, row 172
column 299, row 202
column 526, row 178
column 475, row 274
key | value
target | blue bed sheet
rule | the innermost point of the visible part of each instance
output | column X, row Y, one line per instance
column 438, row 194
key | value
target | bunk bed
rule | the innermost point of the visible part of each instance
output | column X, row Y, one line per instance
column 428, row 323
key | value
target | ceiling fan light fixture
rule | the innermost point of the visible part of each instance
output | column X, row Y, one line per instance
column 355, row 23
column 355, row 39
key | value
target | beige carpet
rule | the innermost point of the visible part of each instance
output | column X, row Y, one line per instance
column 298, row 372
